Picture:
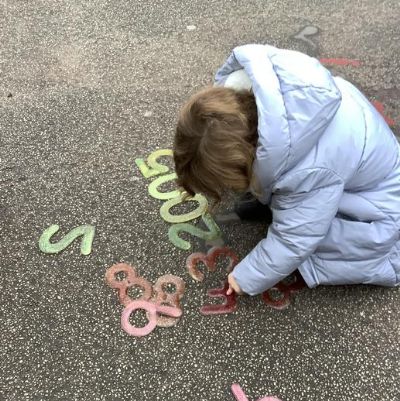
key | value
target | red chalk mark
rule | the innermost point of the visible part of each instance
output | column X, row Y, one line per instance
column 356, row 63
column 381, row 108
column 286, row 289
column 228, row 306
column 152, row 310
column 209, row 260
column 340, row 61
column 241, row 396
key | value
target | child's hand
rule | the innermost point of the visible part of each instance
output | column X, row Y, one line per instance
column 233, row 286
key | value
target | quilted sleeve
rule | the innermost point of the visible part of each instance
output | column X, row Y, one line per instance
column 303, row 207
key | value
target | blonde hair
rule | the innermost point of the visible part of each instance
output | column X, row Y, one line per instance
column 215, row 142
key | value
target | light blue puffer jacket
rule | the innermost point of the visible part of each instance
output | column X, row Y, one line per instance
column 329, row 167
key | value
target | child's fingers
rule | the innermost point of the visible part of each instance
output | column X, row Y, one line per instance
column 229, row 291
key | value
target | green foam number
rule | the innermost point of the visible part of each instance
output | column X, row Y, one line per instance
column 155, row 193
column 180, row 218
column 153, row 168
column 86, row 246
column 213, row 233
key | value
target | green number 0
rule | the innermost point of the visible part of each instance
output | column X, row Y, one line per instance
column 155, row 193
column 170, row 218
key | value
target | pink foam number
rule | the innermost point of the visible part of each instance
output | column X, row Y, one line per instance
column 152, row 310
column 340, row 61
column 238, row 393
column 168, row 298
column 228, row 306
column 162, row 308
column 381, row 108
column 241, row 396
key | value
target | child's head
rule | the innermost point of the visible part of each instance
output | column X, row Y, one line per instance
column 215, row 142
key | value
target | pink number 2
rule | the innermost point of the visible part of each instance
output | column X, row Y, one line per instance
column 241, row 396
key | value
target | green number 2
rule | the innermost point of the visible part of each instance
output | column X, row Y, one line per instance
column 213, row 233
column 151, row 168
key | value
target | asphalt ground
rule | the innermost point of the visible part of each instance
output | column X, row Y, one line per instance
column 86, row 87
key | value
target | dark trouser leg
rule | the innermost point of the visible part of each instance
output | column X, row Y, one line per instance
column 249, row 208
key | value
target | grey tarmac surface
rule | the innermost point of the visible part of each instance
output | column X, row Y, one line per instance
column 85, row 88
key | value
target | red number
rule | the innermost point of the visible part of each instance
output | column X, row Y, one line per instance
column 381, row 108
column 209, row 260
column 163, row 297
column 228, row 306
column 163, row 309
column 285, row 288
column 152, row 310
column 340, row 61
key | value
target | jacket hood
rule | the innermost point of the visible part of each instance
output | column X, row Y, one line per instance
column 296, row 99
